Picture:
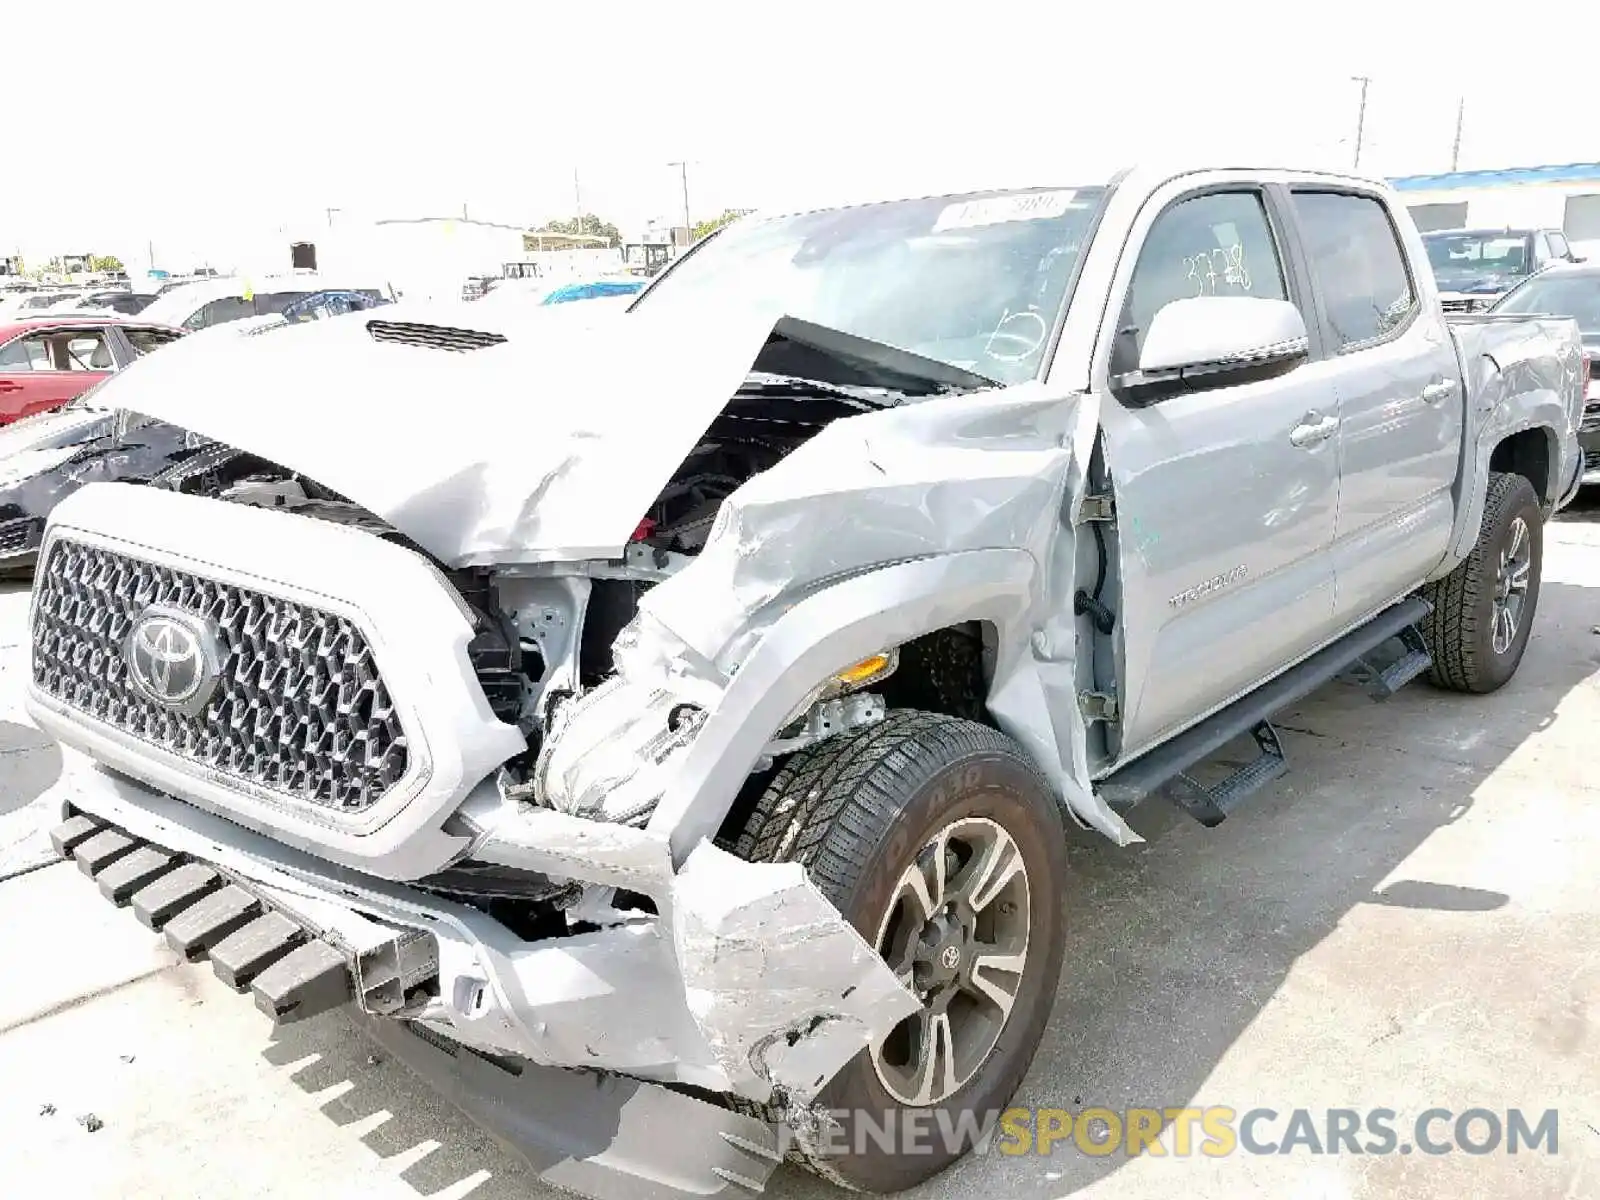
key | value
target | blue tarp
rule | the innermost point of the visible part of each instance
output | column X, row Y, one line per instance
column 594, row 290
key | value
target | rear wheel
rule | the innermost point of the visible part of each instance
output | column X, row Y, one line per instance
column 1483, row 610
column 940, row 842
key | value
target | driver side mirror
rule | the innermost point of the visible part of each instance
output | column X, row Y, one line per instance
column 1216, row 341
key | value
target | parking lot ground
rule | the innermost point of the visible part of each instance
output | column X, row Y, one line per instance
column 1409, row 920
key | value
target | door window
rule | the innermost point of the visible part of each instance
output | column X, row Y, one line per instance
column 26, row 354
column 1559, row 247
column 1216, row 244
column 88, row 351
column 1359, row 265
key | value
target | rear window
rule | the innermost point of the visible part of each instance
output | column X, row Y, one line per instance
column 1575, row 295
column 220, row 312
column 273, row 303
column 1497, row 253
column 146, row 340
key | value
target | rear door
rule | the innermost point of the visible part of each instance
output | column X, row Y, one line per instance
column 1401, row 407
column 45, row 368
column 1225, row 505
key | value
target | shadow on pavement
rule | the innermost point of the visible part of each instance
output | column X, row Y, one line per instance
column 1174, row 947
column 29, row 763
column 463, row 1158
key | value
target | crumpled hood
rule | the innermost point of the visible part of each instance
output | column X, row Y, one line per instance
column 548, row 447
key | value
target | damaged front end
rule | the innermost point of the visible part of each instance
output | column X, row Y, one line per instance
column 476, row 754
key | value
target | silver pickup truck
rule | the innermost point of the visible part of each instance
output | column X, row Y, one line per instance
column 659, row 727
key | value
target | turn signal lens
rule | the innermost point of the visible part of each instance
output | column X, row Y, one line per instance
column 858, row 675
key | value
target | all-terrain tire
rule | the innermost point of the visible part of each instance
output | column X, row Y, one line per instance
column 855, row 810
column 1460, row 630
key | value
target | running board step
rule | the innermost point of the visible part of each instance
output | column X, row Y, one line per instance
column 1381, row 682
column 1149, row 773
column 1211, row 805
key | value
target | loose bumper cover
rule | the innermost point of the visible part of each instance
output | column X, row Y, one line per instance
column 599, row 1134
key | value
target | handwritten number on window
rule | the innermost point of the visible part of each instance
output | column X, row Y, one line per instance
column 1223, row 265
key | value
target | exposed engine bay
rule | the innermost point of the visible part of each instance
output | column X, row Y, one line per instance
column 544, row 632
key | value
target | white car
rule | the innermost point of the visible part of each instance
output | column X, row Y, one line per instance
column 204, row 303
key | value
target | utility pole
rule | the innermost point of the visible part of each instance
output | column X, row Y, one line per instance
column 1361, row 114
column 577, row 197
column 464, row 216
column 683, row 174
column 1455, row 150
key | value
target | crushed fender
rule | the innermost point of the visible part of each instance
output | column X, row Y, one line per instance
column 784, row 990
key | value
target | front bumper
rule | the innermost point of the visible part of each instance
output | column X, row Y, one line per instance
column 746, row 980
column 599, row 1134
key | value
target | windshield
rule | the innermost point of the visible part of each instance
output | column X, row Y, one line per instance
column 1576, row 296
column 1467, row 255
column 974, row 280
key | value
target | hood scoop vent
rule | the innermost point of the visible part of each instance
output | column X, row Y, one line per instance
column 437, row 337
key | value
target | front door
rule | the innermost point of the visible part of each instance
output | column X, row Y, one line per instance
column 1226, row 498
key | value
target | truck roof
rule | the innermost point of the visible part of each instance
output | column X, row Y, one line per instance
column 961, row 179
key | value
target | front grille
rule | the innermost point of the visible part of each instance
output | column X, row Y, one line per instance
column 439, row 337
column 1591, row 461
column 298, row 709
column 18, row 537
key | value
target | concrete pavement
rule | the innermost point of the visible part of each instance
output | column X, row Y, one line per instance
column 1407, row 920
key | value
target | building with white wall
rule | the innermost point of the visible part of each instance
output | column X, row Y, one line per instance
column 1557, row 197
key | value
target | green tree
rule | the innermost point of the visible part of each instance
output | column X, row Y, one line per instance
column 706, row 228
column 590, row 226
column 105, row 262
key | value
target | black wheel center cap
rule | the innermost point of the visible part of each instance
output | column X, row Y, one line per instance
column 942, row 951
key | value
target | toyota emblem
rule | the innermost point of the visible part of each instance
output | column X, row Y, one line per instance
column 172, row 658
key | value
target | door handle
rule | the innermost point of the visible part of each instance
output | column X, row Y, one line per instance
column 1313, row 430
column 1438, row 390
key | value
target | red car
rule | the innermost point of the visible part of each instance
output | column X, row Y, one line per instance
column 50, row 359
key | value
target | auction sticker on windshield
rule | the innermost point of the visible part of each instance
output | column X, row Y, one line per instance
column 996, row 210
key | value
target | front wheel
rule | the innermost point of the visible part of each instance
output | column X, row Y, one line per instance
column 1483, row 610
column 940, row 842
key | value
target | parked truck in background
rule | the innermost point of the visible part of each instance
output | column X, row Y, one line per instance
column 681, row 735
column 1475, row 267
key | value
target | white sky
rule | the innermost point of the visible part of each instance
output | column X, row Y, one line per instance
column 187, row 124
